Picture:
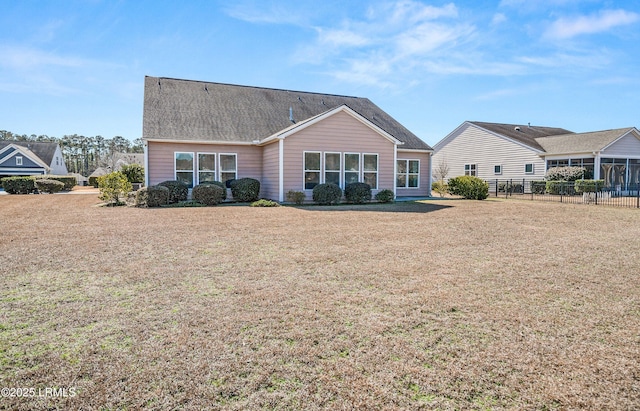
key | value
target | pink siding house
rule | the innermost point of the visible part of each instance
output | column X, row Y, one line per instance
column 288, row 140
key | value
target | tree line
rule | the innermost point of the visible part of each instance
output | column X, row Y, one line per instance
column 83, row 154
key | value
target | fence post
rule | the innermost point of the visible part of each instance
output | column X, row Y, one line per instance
column 637, row 196
column 496, row 188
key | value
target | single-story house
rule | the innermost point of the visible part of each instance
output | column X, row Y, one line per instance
column 23, row 158
column 493, row 151
column 196, row 131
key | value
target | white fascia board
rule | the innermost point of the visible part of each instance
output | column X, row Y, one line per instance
column 178, row 141
column 19, row 150
column 631, row 130
column 410, row 150
column 444, row 141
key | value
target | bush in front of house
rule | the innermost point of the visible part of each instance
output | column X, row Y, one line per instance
column 208, row 194
column 68, row 181
column 113, row 187
column 384, row 196
column 560, row 187
column 326, row 194
column 133, row 172
column 588, row 186
column 469, row 187
column 511, row 187
column 178, row 191
column 440, row 187
column 567, row 174
column 296, row 197
column 219, row 184
column 153, row 196
column 93, row 181
column 49, row 186
column 19, row 185
column 264, row 203
column 357, row 193
column 245, row 189
column 538, row 186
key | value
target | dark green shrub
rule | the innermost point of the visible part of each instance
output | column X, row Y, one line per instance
column 68, row 181
column 49, row 186
column 264, row 203
column 208, row 194
column 469, row 187
column 296, row 197
column 385, row 196
column 133, row 172
column 153, row 196
column 93, row 181
column 357, row 193
column 327, row 194
column 245, row 189
column 538, row 186
column 113, row 187
column 511, row 187
column 560, row 187
column 588, row 186
column 567, row 174
column 178, row 191
column 19, row 185
column 219, row 184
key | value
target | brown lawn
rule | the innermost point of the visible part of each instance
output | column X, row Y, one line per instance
column 446, row 304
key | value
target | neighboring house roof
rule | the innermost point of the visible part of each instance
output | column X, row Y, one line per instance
column 44, row 150
column 100, row 171
column 128, row 159
column 524, row 134
column 11, row 150
column 189, row 110
column 583, row 142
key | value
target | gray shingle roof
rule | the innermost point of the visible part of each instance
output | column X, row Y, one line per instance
column 581, row 142
column 526, row 134
column 44, row 150
column 202, row 111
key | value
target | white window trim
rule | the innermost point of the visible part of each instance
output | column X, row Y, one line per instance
column 533, row 169
column 407, row 174
column 497, row 172
column 323, row 165
column 305, row 170
column 193, row 165
column 377, row 168
column 475, row 169
column 215, row 171
column 344, row 167
column 219, row 165
column 18, row 160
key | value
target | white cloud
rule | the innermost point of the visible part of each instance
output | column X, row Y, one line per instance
column 498, row 18
column 29, row 58
column 274, row 13
column 605, row 20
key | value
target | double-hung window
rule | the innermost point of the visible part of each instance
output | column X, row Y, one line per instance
column 370, row 170
column 408, row 174
column 351, row 168
column 18, row 160
column 311, row 169
column 470, row 170
column 228, row 168
column 184, row 168
column 206, row 167
column 332, row 168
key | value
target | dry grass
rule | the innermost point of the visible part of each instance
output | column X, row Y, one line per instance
column 445, row 305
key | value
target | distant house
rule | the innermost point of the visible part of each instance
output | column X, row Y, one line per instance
column 197, row 131
column 493, row 151
column 22, row 158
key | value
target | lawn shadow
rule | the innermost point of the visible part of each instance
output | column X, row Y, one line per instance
column 397, row 207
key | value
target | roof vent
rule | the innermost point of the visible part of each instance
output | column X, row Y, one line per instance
column 291, row 115
column 517, row 128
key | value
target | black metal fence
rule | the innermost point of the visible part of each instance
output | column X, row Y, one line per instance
column 567, row 192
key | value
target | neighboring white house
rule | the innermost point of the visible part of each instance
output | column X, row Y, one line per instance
column 493, row 151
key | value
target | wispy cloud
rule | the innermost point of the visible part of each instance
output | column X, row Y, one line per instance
column 265, row 12
column 568, row 27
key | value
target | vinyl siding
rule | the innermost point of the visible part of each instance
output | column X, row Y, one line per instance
column 471, row 145
column 628, row 146
column 161, row 158
column 339, row 133
column 61, row 168
column 270, row 171
column 424, row 188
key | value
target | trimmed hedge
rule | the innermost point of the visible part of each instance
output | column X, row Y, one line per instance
column 93, row 181
column 49, row 186
column 296, row 197
column 19, row 185
column 178, row 191
column 588, row 186
column 264, row 203
column 385, row 196
column 68, row 181
column 245, row 190
column 326, row 194
column 469, row 187
column 208, row 194
column 538, row 186
column 357, row 193
column 219, row 184
column 154, row 196
column 560, row 187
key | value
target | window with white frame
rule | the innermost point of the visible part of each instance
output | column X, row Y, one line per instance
column 497, row 169
column 228, row 168
column 206, row 167
column 370, row 170
column 18, row 160
column 332, row 168
column 311, row 169
column 184, row 168
column 528, row 168
column 351, row 168
column 408, row 174
column 470, row 170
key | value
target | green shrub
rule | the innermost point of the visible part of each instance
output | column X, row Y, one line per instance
column 296, row 197
column 264, row 203
column 588, row 186
column 49, row 186
column 327, row 193
column 19, row 185
column 469, row 187
column 113, row 187
column 208, row 194
column 440, row 187
column 385, row 196
column 245, row 189
column 133, row 172
column 178, row 191
column 68, row 181
column 560, row 187
column 538, row 186
column 219, row 184
column 511, row 187
column 93, row 181
column 357, row 193
column 153, row 196
column 567, row 174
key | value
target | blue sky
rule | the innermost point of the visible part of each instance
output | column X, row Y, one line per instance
column 78, row 66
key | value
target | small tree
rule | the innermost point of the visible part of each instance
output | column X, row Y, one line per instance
column 440, row 173
column 113, row 187
column 133, row 172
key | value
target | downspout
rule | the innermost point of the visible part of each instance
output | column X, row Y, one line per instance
column 429, row 173
column 395, row 169
column 146, row 164
column 280, row 170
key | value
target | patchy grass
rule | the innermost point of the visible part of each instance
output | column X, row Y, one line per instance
column 447, row 304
